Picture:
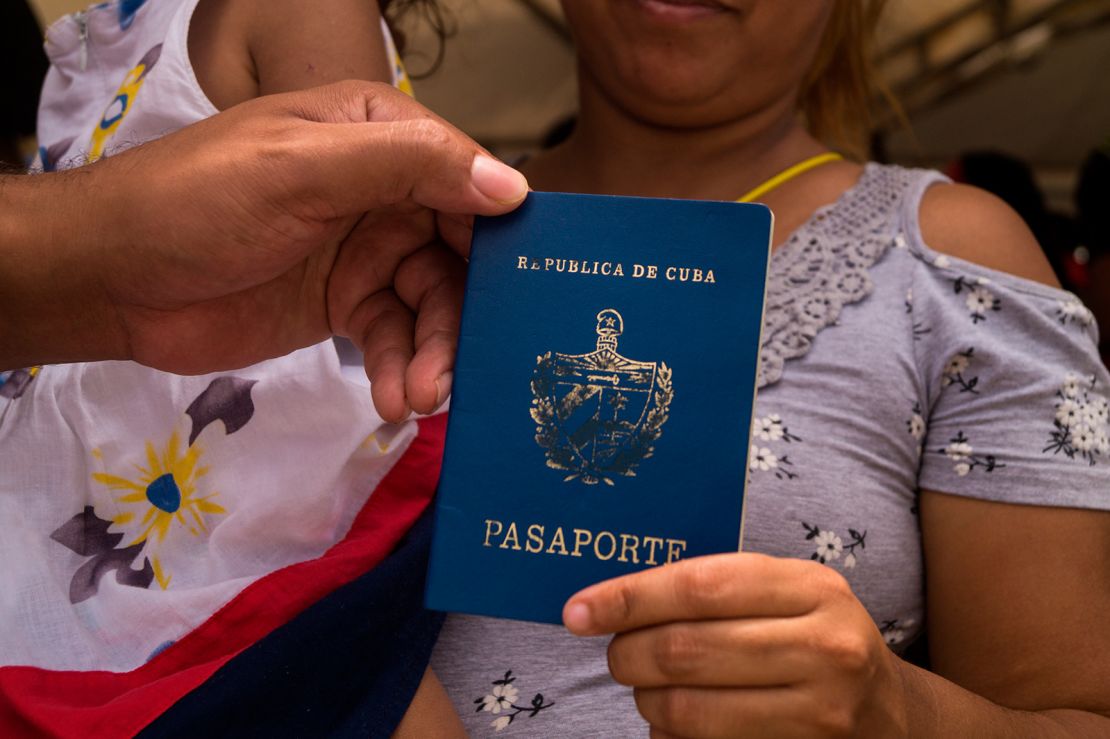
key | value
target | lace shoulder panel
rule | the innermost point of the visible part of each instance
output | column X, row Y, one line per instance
column 824, row 265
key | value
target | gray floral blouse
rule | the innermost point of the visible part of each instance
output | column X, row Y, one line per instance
column 886, row 368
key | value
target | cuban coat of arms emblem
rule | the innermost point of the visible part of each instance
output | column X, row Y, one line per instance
column 598, row 415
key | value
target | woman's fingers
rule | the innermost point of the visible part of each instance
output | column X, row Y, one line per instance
column 753, row 652
column 708, row 713
column 743, row 645
column 739, row 585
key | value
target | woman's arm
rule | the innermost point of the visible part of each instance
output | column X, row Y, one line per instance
column 1017, row 594
column 1017, row 604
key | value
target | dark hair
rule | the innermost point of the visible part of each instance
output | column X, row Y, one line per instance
column 1091, row 198
column 429, row 12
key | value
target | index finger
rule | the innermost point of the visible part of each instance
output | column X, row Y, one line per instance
column 367, row 145
column 735, row 585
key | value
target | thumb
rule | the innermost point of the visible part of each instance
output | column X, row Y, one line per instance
column 395, row 152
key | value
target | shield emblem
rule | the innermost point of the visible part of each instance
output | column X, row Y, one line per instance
column 599, row 414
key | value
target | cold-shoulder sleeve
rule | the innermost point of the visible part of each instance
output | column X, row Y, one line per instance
column 1015, row 397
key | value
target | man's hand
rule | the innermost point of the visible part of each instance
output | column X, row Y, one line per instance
column 341, row 210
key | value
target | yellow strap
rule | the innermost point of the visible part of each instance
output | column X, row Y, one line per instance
column 788, row 174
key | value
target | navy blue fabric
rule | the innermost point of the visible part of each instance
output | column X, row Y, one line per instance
column 347, row 666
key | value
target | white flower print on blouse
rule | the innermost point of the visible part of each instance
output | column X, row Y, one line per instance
column 1080, row 425
column 964, row 459
column 979, row 299
column 894, row 631
column 763, row 458
column 954, row 372
column 503, row 698
column 829, row 546
column 1072, row 310
column 768, row 429
column 916, row 424
column 916, row 427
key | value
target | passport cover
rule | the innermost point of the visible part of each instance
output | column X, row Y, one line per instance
column 602, row 400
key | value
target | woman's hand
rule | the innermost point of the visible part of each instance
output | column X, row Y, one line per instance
column 745, row 645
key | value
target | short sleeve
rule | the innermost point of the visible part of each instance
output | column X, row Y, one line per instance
column 1015, row 394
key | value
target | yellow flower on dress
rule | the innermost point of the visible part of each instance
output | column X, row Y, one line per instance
column 164, row 496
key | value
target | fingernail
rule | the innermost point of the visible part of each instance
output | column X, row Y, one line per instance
column 576, row 618
column 498, row 182
column 443, row 387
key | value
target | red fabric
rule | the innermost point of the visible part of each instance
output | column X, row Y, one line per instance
column 36, row 702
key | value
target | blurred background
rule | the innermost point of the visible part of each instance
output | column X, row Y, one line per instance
column 1010, row 95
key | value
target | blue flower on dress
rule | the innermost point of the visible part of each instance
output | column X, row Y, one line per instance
column 127, row 11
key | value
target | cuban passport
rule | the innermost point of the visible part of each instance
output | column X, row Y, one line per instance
column 603, row 395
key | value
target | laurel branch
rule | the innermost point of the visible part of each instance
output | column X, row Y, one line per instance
column 561, row 456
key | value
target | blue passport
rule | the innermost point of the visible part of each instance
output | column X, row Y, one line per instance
column 603, row 395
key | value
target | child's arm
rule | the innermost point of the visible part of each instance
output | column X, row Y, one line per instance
column 241, row 49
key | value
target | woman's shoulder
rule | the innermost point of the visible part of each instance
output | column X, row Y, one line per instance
column 978, row 227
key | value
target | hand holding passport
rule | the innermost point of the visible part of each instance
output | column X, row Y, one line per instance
column 602, row 397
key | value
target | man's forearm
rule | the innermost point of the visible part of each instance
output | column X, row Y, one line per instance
column 53, row 307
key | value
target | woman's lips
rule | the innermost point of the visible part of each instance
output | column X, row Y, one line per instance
column 681, row 10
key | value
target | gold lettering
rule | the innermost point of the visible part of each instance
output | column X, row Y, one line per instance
column 626, row 548
column 612, row 548
column 683, row 274
column 652, row 271
column 558, row 540
column 511, row 535
column 638, row 270
column 619, row 271
column 535, row 536
column 582, row 537
column 573, row 266
column 670, row 274
column 697, row 275
column 709, row 277
column 605, row 545
column 606, row 268
column 548, row 263
column 489, row 532
column 522, row 262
